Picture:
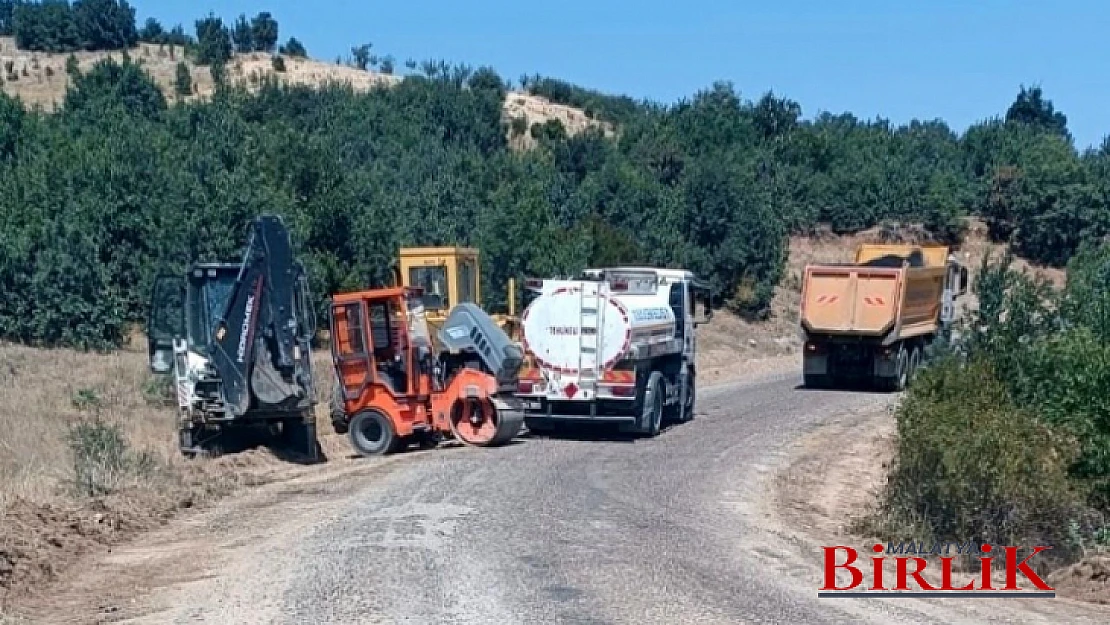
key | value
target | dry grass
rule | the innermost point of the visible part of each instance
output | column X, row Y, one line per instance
column 48, row 517
column 44, row 392
column 41, row 80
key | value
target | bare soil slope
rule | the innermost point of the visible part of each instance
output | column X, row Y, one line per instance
column 40, row 79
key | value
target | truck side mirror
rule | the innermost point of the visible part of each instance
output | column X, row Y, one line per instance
column 705, row 314
column 166, row 322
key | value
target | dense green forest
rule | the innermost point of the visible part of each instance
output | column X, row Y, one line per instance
column 118, row 185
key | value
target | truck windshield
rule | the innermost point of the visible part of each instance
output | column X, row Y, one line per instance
column 434, row 282
column 205, row 303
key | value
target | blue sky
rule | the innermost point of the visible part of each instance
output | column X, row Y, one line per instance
column 959, row 61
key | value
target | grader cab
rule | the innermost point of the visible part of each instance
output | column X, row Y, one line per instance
column 449, row 276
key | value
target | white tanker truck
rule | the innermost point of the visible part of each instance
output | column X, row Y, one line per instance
column 615, row 345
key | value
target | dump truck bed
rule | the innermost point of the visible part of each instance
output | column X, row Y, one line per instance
column 873, row 300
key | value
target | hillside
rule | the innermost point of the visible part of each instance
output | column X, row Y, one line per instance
column 40, row 79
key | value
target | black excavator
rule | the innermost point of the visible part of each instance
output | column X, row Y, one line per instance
column 236, row 338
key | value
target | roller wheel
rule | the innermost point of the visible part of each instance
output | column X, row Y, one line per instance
column 372, row 434
column 480, row 424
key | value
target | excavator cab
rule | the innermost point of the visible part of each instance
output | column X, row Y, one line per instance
column 188, row 310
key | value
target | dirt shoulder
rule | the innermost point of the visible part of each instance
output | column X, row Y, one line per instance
column 833, row 479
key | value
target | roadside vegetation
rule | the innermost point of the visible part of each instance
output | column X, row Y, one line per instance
column 1006, row 438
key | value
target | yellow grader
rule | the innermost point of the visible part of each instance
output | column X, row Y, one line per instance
column 449, row 276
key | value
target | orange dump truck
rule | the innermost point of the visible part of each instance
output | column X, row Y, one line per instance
column 871, row 320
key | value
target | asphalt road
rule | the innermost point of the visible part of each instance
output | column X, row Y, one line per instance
column 578, row 530
column 673, row 529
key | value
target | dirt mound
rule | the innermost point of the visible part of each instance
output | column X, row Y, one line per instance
column 1086, row 580
column 37, row 541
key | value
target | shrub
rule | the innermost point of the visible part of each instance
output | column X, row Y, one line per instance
column 1064, row 380
column 971, row 465
column 102, row 461
column 183, row 80
column 159, row 391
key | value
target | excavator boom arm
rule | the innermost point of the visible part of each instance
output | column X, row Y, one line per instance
column 253, row 345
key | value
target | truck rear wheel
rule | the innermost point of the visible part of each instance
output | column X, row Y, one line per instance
column 372, row 434
column 651, row 420
column 898, row 383
column 915, row 362
column 817, row 380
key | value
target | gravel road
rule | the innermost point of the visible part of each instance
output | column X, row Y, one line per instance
column 547, row 530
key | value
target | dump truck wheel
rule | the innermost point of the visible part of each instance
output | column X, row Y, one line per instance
column 372, row 434
column 897, row 383
column 652, row 417
column 915, row 362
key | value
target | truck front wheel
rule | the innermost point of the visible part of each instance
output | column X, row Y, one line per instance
column 682, row 410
